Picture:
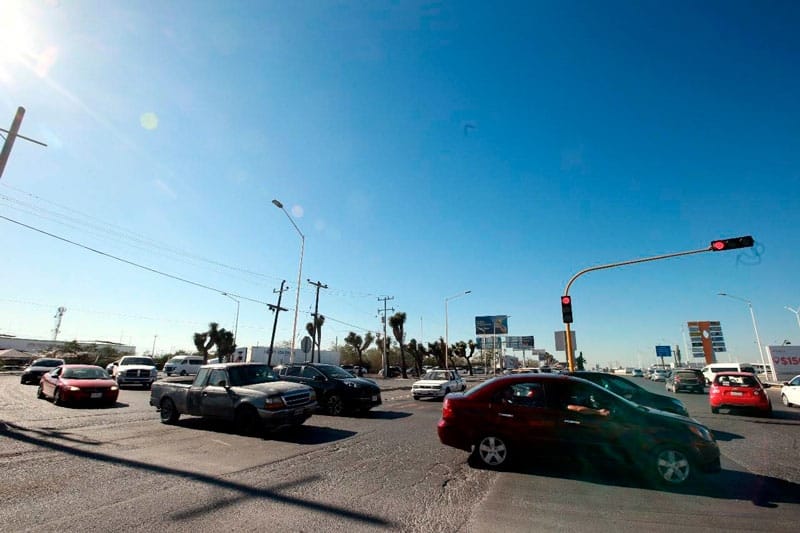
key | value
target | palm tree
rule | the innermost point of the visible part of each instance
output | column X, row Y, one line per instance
column 359, row 344
column 397, row 322
column 314, row 330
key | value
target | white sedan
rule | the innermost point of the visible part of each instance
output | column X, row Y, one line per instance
column 438, row 384
column 790, row 392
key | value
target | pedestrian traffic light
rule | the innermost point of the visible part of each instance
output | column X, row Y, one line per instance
column 566, row 309
column 730, row 244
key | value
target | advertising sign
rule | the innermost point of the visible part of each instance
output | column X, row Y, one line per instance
column 561, row 340
column 786, row 360
column 706, row 338
column 491, row 325
column 663, row 351
column 519, row 343
column 489, row 343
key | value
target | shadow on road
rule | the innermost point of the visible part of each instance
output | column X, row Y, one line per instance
column 21, row 434
column 762, row 491
column 305, row 434
column 724, row 436
column 384, row 415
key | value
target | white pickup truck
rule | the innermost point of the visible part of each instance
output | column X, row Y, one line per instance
column 438, row 384
column 135, row 370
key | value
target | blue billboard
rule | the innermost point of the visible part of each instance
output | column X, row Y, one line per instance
column 491, row 325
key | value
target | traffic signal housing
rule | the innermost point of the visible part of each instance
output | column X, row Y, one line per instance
column 730, row 244
column 566, row 309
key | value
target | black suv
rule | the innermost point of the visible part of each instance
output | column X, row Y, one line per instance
column 689, row 379
column 633, row 392
column 338, row 391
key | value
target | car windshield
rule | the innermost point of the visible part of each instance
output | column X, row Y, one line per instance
column 334, row 372
column 250, row 375
column 138, row 361
column 439, row 375
column 84, row 373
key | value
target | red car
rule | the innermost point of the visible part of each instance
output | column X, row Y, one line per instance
column 78, row 384
column 542, row 415
column 738, row 390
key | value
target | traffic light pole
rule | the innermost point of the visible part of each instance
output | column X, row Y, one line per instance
column 568, row 344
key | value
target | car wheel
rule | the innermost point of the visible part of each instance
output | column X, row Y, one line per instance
column 334, row 405
column 491, row 452
column 40, row 392
column 57, row 397
column 785, row 400
column 714, row 410
column 183, row 372
column 247, row 420
column 416, row 397
column 169, row 414
column 670, row 466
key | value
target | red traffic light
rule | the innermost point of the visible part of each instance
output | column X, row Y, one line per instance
column 566, row 300
column 566, row 309
column 730, row 244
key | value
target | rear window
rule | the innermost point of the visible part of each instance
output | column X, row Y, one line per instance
column 717, row 370
column 748, row 369
column 685, row 374
column 737, row 381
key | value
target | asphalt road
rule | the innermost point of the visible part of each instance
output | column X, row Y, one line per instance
column 120, row 468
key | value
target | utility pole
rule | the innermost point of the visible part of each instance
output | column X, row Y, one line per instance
column 317, row 331
column 12, row 135
column 385, row 339
column 59, row 314
column 276, row 309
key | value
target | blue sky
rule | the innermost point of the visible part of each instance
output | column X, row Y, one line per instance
column 424, row 148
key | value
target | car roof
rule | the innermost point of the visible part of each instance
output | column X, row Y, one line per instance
column 78, row 365
column 733, row 374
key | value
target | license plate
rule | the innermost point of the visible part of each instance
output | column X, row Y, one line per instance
column 736, row 393
column 96, row 395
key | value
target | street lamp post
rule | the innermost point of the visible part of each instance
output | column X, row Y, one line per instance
column 446, row 324
column 755, row 328
column 236, row 321
column 153, row 350
column 299, row 275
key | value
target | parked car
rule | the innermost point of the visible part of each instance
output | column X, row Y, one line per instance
column 78, row 384
column 790, row 392
column 33, row 372
column 631, row 391
column 739, row 390
column 248, row 394
column 394, row 372
column 338, row 391
column 711, row 370
column 557, row 415
column 686, row 379
column 438, row 384
column 637, row 373
column 183, row 365
column 136, row 370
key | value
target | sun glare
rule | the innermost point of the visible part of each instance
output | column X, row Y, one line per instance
column 16, row 36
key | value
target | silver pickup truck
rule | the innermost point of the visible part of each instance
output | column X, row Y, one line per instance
column 248, row 394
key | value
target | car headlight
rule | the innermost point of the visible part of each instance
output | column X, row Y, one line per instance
column 702, row 432
column 114, row 387
column 73, row 388
column 273, row 403
column 154, row 372
column 351, row 384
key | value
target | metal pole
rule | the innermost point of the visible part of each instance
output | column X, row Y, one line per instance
column 755, row 329
column 446, row 325
column 796, row 313
column 299, row 276
column 277, row 309
column 236, row 320
column 12, row 136
column 153, row 350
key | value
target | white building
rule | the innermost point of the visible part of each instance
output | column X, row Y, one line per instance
column 40, row 345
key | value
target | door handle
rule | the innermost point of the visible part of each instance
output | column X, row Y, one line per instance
column 575, row 422
column 506, row 415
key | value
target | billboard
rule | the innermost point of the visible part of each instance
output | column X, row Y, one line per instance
column 561, row 340
column 491, row 325
column 489, row 343
column 785, row 359
column 663, row 351
column 706, row 339
column 519, row 343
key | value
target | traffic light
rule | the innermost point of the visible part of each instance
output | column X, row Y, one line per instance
column 566, row 309
column 730, row 244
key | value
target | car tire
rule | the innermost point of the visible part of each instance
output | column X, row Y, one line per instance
column 169, row 414
column 40, row 392
column 490, row 451
column 715, row 410
column 183, row 372
column 247, row 420
column 416, row 397
column 57, row 397
column 334, row 405
column 669, row 465
column 785, row 400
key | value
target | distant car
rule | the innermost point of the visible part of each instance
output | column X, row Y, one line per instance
column 136, row 370
column 658, row 374
column 564, row 416
column 739, row 390
column 337, row 390
column 711, row 370
column 686, row 379
column 183, row 365
column 631, row 391
column 637, row 373
column 33, row 373
column 790, row 392
column 437, row 384
column 394, row 372
column 79, row 384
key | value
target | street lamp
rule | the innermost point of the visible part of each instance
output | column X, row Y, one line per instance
column 446, row 325
column 796, row 313
column 236, row 321
column 153, row 350
column 299, row 274
column 755, row 328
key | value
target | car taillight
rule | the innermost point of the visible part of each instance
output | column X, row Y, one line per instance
column 677, row 379
column 447, row 408
column 713, row 390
